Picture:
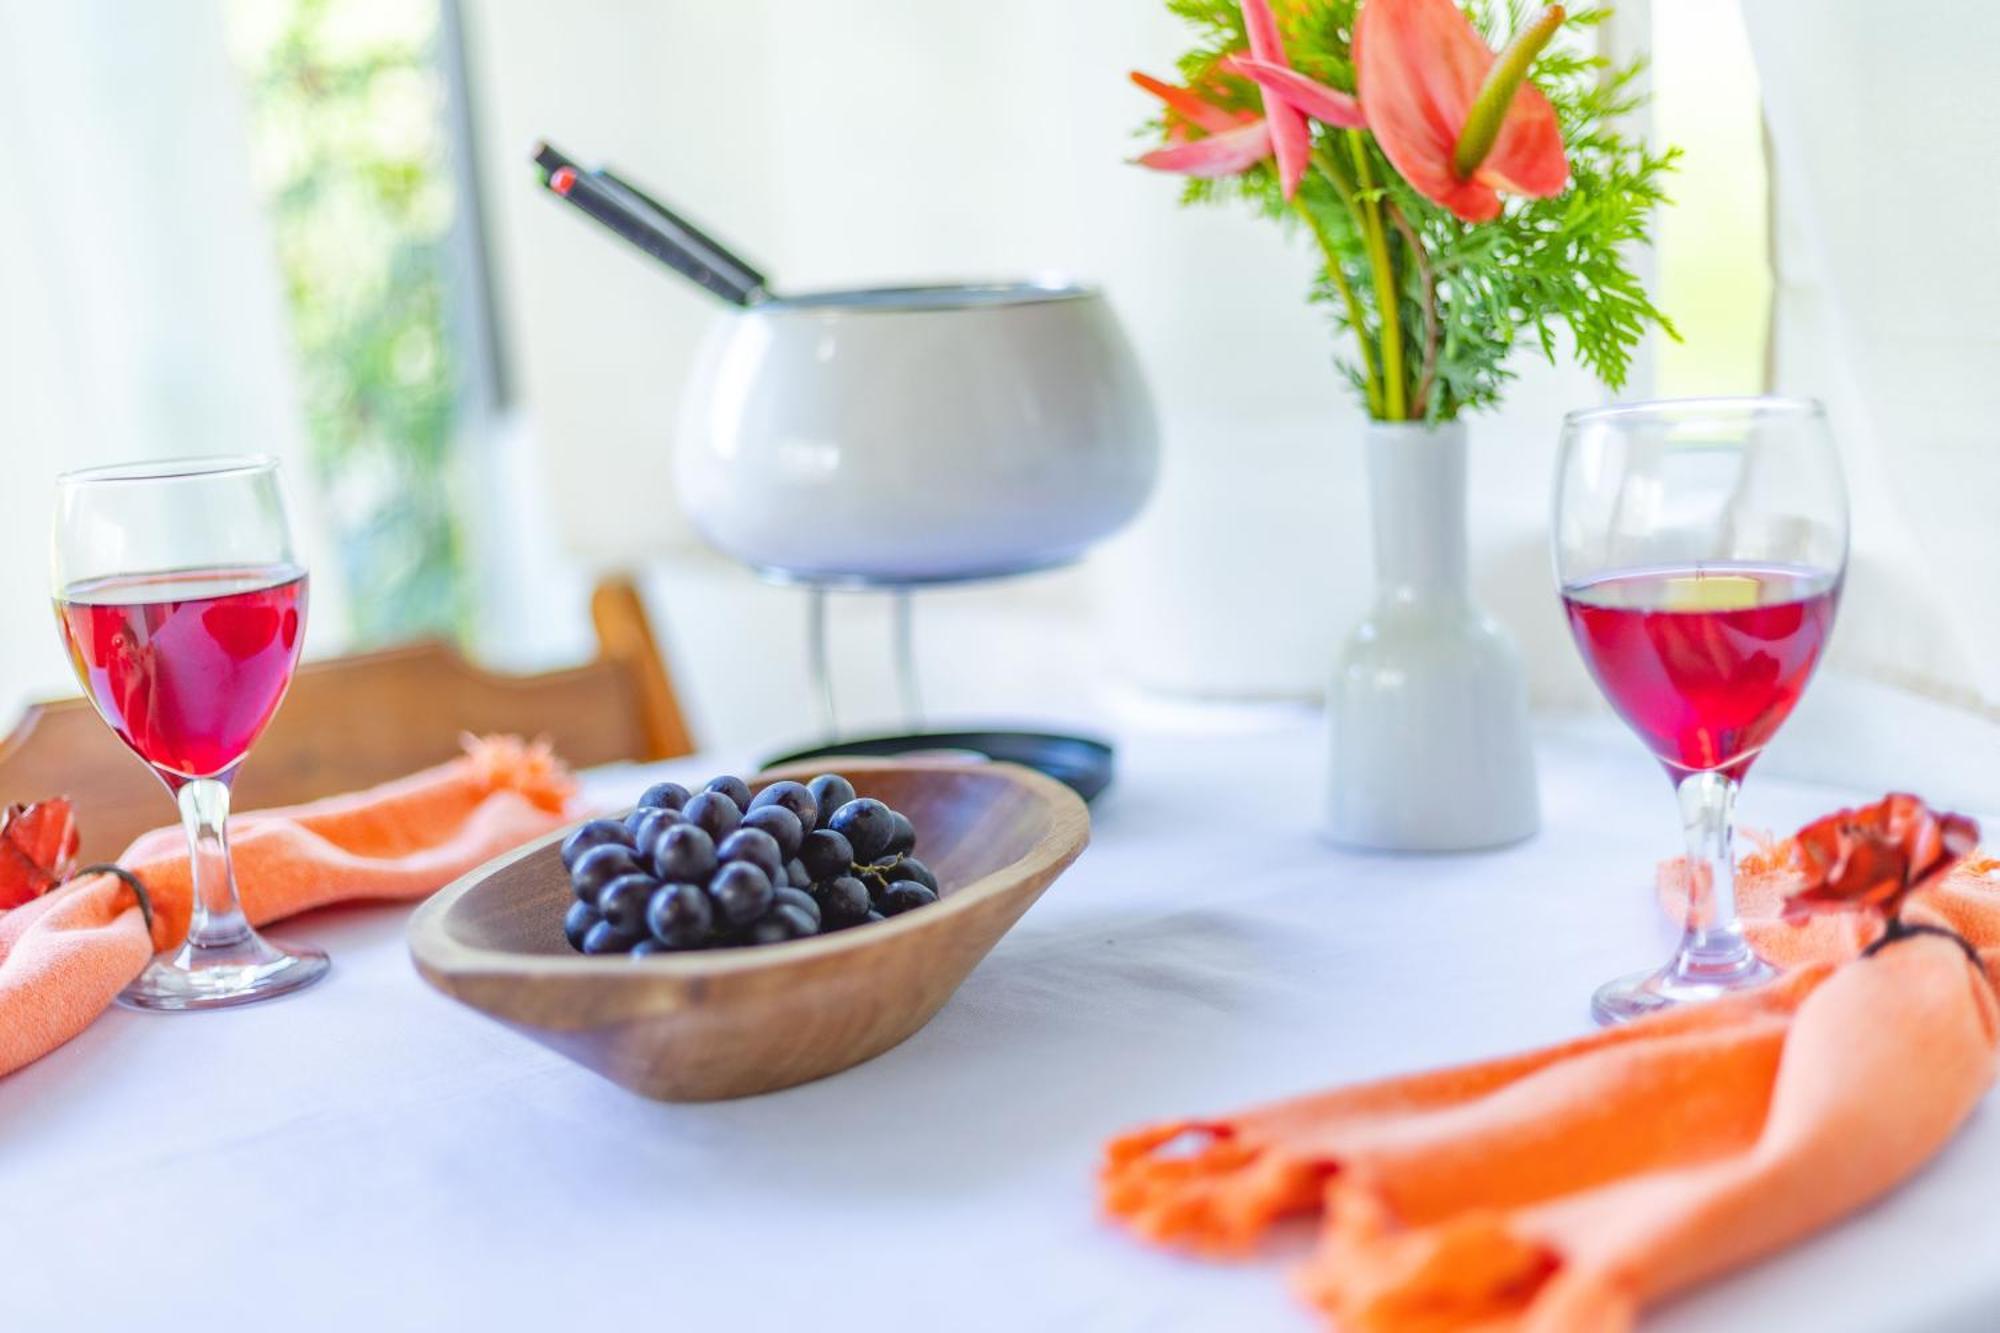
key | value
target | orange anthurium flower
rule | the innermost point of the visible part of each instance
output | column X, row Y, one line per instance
column 1328, row 105
column 1230, row 153
column 1874, row 857
column 1235, row 141
column 1459, row 123
column 1289, row 136
column 1190, row 106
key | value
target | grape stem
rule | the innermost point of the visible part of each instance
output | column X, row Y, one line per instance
column 879, row 869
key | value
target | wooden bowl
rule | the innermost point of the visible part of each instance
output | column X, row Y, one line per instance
column 732, row 1022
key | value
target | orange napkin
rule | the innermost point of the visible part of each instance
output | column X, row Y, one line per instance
column 65, row 955
column 1967, row 901
column 1566, row 1188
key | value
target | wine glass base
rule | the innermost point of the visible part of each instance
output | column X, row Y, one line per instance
column 1645, row 993
column 219, row 977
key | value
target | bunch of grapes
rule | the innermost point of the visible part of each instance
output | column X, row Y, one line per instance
column 719, row 867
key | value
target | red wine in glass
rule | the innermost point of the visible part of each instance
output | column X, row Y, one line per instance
column 1704, row 661
column 187, row 666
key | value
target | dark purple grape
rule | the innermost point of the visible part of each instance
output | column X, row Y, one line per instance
column 902, row 836
column 577, row 923
column 597, row 833
column 649, row 946
column 910, row 868
column 866, row 824
column 797, row 875
column 873, row 916
column 792, row 796
column 902, row 895
column 781, row 824
column 736, row 789
column 800, row 900
column 755, row 846
column 767, row 929
column 741, row 891
column 842, row 901
column 623, row 902
column 664, row 796
column 647, row 825
column 799, row 923
column 679, row 915
column 598, row 867
column 713, row 813
column 829, row 791
column 826, row 855
column 606, row 938
column 684, row 853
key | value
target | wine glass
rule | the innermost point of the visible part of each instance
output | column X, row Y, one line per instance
column 1700, row 546
column 182, row 606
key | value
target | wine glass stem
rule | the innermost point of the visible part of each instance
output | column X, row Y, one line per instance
column 906, row 663
column 217, row 920
column 1713, row 944
column 819, row 660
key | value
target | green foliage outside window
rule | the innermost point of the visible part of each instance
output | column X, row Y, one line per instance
column 346, row 104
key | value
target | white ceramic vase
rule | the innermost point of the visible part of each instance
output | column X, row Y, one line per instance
column 1428, row 710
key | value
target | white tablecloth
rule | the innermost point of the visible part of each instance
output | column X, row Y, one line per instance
column 370, row 1156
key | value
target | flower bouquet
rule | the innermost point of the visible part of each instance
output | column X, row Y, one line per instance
column 1459, row 199
column 1468, row 181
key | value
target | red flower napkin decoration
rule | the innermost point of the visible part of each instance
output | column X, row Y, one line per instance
column 1875, row 857
column 37, row 849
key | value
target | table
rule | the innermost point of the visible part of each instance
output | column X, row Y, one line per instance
column 371, row 1156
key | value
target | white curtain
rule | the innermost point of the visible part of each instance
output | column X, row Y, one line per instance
column 1883, row 128
column 1889, row 306
column 140, row 311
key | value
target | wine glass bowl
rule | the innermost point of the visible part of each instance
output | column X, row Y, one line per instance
column 186, row 667
column 182, row 606
column 1703, row 664
column 1700, row 546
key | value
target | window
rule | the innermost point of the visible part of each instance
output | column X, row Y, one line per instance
column 1714, row 275
column 356, row 139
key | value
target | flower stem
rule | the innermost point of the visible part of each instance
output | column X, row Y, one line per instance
column 1420, row 405
column 1394, row 405
column 1338, row 278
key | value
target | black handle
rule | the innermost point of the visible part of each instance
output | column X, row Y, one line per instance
column 645, row 224
column 725, row 259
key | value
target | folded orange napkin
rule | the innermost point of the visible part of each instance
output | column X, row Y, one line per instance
column 1566, row 1188
column 64, row 956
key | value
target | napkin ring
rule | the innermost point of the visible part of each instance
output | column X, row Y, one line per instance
column 1897, row 929
column 131, row 881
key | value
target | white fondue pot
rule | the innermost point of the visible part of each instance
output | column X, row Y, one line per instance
column 915, row 435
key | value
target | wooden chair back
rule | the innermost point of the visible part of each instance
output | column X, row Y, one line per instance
column 351, row 722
